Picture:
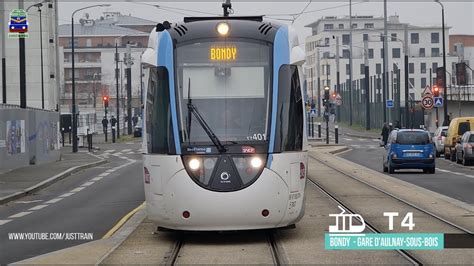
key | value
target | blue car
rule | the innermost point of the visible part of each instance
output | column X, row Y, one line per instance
column 409, row 149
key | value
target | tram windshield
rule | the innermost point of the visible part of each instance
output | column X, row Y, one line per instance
column 228, row 82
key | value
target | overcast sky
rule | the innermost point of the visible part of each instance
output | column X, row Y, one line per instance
column 458, row 14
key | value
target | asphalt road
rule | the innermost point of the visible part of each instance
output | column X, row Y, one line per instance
column 90, row 201
column 451, row 179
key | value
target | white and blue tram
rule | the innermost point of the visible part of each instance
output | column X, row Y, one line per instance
column 225, row 145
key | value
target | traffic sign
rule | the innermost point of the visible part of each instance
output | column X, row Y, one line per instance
column 427, row 102
column 338, row 97
column 389, row 104
column 438, row 101
column 427, row 90
column 338, row 102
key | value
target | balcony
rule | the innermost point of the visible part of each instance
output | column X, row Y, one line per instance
column 82, row 63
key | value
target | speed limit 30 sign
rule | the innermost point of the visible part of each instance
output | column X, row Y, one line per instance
column 427, row 102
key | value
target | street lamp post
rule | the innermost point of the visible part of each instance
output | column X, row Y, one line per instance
column 74, row 118
column 445, row 93
column 39, row 5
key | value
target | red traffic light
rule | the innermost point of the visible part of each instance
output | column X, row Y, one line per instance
column 105, row 98
column 334, row 95
column 436, row 91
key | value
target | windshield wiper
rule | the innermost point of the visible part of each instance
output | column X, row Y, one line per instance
column 192, row 109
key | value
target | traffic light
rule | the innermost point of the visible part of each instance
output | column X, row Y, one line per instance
column 435, row 91
column 106, row 101
column 326, row 95
column 334, row 95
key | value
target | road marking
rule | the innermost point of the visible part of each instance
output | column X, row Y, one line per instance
column 123, row 221
column 77, row 189
column 347, row 139
column 38, row 207
column 110, row 170
column 27, row 201
column 131, row 152
column 126, row 150
column 54, row 200
column 20, row 214
column 87, row 184
column 124, row 158
column 109, row 151
column 97, row 178
column 443, row 170
column 66, row 194
column 2, row 222
column 117, row 154
column 104, row 174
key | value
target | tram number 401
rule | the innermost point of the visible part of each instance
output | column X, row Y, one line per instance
column 258, row 136
column 406, row 222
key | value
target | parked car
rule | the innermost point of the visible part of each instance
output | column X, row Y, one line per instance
column 409, row 149
column 438, row 139
column 457, row 128
column 137, row 132
column 464, row 148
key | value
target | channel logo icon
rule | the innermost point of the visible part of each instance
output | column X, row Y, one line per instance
column 18, row 24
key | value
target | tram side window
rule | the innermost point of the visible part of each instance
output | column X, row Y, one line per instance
column 289, row 128
column 158, row 127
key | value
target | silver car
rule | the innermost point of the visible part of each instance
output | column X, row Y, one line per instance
column 464, row 148
column 438, row 139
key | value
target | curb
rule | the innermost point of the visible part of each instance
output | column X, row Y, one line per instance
column 49, row 181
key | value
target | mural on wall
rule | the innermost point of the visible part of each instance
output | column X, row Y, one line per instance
column 48, row 136
column 15, row 137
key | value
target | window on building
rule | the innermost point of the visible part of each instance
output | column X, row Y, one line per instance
column 328, row 83
column 346, row 53
column 326, row 41
column 411, row 68
column 422, row 52
column 341, row 26
column 412, row 96
column 423, row 68
column 381, row 53
column 423, row 82
column 354, row 25
column 395, row 52
column 365, row 37
column 348, row 69
column 435, row 37
column 434, row 52
column 371, row 53
column 368, row 25
column 328, row 70
column 434, row 66
column 411, row 82
column 415, row 37
column 345, row 39
column 378, row 68
column 362, row 69
column 326, row 55
column 394, row 37
column 328, row 26
column 433, row 81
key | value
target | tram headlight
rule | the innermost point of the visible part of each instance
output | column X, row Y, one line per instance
column 194, row 164
column 256, row 162
column 223, row 28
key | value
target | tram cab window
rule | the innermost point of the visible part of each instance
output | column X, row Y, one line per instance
column 289, row 129
column 158, row 128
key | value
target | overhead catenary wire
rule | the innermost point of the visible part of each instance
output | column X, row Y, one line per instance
column 297, row 16
column 312, row 11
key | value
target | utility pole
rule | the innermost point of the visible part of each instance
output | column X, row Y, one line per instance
column 385, row 62
column 117, row 88
column 128, row 73
column 338, row 81
column 318, row 68
column 366, row 85
column 22, row 57
column 350, row 63
column 4, row 64
column 407, row 106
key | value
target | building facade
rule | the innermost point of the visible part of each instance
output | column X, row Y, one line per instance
column 94, row 56
column 9, row 50
column 462, row 46
column 424, row 50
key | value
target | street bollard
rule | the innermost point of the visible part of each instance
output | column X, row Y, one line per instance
column 312, row 127
column 113, row 134
column 62, row 135
column 309, row 125
column 70, row 137
column 319, row 130
column 90, row 142
column 336, row 134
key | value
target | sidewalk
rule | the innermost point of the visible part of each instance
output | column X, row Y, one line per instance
column 19, row 182
column 345, row 130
